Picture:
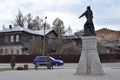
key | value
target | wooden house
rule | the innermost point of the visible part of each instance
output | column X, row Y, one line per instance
column 16, row 40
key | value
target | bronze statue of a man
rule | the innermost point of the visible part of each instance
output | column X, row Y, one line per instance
column 88, row 26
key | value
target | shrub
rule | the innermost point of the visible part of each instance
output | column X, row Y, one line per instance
column 20, row 68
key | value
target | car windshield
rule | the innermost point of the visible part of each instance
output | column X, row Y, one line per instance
column 52, row 58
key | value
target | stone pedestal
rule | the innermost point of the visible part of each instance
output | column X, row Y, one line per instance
column 89, row 62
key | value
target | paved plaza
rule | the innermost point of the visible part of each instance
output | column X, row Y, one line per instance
column 66, row 72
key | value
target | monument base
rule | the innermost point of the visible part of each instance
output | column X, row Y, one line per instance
column 89, row 62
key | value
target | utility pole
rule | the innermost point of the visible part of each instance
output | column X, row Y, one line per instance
column 44, row 37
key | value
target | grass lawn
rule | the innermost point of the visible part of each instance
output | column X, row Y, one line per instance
column 5, row 69
column 9, row 69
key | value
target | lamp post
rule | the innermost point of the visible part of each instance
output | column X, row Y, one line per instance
column 44, row 37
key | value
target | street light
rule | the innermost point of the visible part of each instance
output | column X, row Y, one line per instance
column 44, row 37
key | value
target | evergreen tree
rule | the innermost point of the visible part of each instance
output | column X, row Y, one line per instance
column 13, row 61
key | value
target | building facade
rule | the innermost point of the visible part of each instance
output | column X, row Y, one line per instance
column 16, row 40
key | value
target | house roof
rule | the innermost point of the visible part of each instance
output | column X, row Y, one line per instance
column 18, row 28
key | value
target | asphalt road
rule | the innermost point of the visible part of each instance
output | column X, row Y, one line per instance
column 66, row 72
column 66, row 65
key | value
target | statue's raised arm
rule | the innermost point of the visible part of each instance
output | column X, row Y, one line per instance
column 89, row 26
column 82, row 15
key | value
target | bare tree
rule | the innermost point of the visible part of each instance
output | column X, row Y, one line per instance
column 3, row 27
column 29, row 19
column 46, row 25
column 59, row 27
column 19, row 19
column 35, row 46
column 58, row 45
column 69, row 30
column 37, row 23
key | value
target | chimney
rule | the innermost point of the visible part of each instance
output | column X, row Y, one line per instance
column 10, row 26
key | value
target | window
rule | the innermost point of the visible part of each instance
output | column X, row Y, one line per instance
column 17, row 52
column 1, row 51
column 12, row 51
column 6, row 39
column 17, row 38
column 12, row 38
column 108, row 51
column 6, row 51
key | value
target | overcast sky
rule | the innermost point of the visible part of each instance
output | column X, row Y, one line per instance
column 106, row 12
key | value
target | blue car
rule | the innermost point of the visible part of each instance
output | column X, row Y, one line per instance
column 51, row 60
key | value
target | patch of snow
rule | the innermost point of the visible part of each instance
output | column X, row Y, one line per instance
column 18, row 28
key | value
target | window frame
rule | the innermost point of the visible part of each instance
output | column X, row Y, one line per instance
column 12, row 38
column 17, row 39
